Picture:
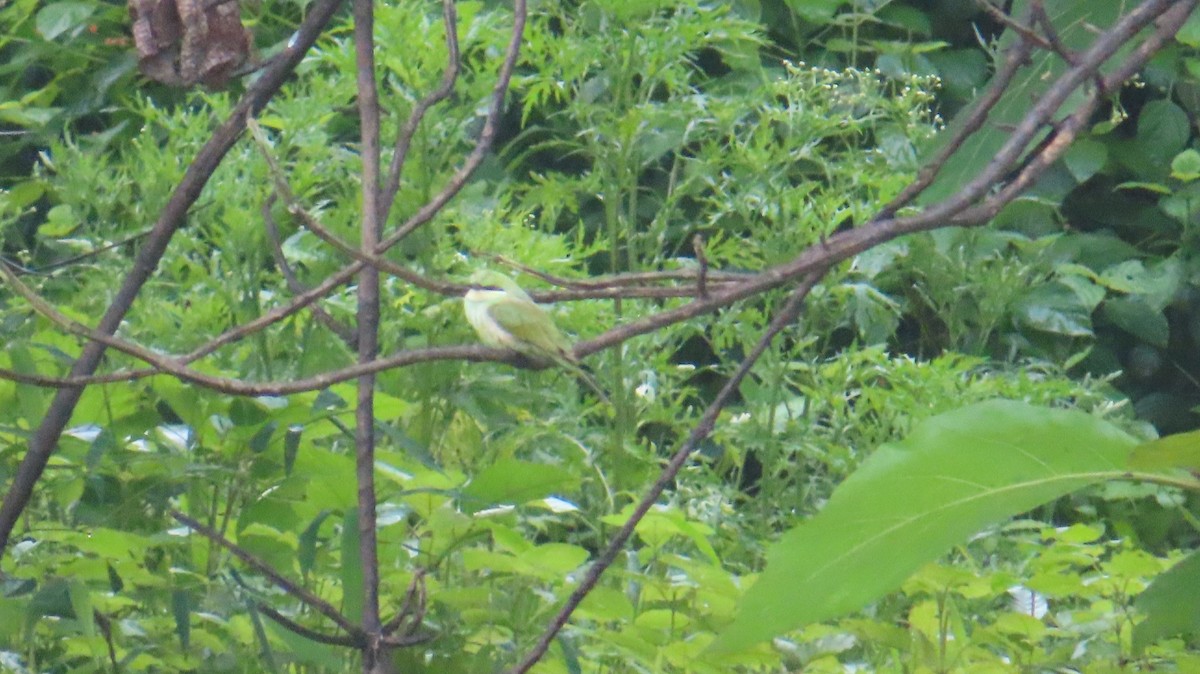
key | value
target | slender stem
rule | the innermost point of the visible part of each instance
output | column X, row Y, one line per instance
column 368, row 328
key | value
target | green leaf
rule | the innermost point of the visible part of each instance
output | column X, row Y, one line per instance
column 875, row 314
column 57, row 18
column 1181, row 450
column 1055, row 308
column 1157, row 188
column 1189, row 33
column 1186, row 165
column 1135, row 316
column 1085, row 158
column 53, row 598
column 815, row 11
column 306, row 549
column 181, row 609
column 909, row 19
column 1127, row 277
column 13, row 610
column 291, row 445
column 60, row 221
column 1171, row 604
column 1077, row 22
column 510, row 481
column 1163, row 128
column 247, row 412
column 910, row 502
column 331, row 658
column 1183, row 204
column 81, row 603
column 23, row 195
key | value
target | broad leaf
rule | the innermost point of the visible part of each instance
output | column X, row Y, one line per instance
column 510, row 481
column 956, row 474
column 1170, row 604
column 1174, row 451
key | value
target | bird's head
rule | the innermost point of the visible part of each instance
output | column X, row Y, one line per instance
column 494, row 280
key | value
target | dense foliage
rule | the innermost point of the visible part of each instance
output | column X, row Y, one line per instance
column 633, row 129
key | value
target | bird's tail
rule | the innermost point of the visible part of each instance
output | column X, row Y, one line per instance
column 583, row 376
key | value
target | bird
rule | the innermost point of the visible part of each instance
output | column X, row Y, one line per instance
column 505, row 316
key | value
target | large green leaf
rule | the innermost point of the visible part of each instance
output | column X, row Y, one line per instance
column 1170, row 604
column 1174, row 451
column 511, row 481
column 956, row 474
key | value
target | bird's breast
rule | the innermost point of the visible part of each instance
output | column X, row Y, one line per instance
column 476, row 304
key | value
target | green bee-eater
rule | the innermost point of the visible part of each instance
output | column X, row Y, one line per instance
column 504, row 316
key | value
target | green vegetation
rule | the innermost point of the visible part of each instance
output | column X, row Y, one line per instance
column 948, row 463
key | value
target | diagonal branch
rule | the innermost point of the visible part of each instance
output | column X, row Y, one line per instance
column 311, row 600
column 701, row 431
column 344, row 332
column 173, row 216
column 837, row 248
column 404, row 137
column 1014, row 58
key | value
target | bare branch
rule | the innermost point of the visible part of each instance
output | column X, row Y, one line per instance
column 345, row 332
column 311, row 600
column 1016, row 56
column 173, row 216
column 306, row 632
column 368, row 330
column 404, row 138
column 486, row 136
column 701, row 431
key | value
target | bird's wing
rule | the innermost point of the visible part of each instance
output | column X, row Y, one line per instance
column 530, row 325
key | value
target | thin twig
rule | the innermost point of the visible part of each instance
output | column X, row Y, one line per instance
column 404, row 138
column 701, row 431
column 344, row 332
column 306, row 632
column 304, row 596
column 1026, row 32
column 486, row 136
column 1016, row 56
column 1037, row 10
column 838, row 247
column 413, row 605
